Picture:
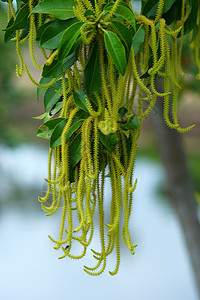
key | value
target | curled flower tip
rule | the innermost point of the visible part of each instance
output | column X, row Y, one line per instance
column 56, row 247
column 132, row 249
column 183, row 130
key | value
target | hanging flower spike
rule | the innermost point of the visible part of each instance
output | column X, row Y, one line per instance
column 100, row 69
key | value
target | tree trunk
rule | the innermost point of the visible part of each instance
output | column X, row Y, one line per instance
column 179, row 185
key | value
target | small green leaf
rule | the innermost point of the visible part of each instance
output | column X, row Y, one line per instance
column 116, row 51
column 149, row 9
column 82, row 115
column 132, row 123
column 21, row 19
column 174, row 13
column 55, row 139
column 61, row 9
column 191, row 21
column 42, row 28
column 123, row 32
column 52, row 96
column 75, row 150
column 138, row 39
column 55, row 69
column 122, row 112
column 92, row 74
column 20, row 22
column 109, row 141
column 56, row 108
column 46, row 129
column 76, row 124
column 167, row 5
column 9, row 34
column 52, row 34
column 68, row 39
column 79, row 100
column 125, row 12
column 40, row 117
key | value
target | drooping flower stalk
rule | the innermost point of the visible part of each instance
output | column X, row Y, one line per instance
column 96, row 78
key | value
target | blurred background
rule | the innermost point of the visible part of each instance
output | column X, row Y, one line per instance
column 29, row 266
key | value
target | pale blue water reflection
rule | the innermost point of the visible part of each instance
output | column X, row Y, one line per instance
column 30, row 270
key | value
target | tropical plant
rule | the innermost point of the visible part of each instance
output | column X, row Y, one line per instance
column 101, row 63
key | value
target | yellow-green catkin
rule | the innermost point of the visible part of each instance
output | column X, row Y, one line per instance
column 78, row 191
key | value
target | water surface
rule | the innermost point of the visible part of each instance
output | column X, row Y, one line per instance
column 30, row 269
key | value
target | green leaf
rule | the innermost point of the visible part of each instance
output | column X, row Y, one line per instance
column 42, row 28
column 132, row 123
column 76, row 44
column 52, row 34
column 40, row 117
column 116, row 51
column 123, row 32
column 56, row 108
column 55, row 139
column 75, row 150
column 174, row 13
column 61, row 9
column 51, row 96
column 124, row 11
column 68, row 39
column 55, row 69
column 92, row 74
column 138, row 39
column 82, row 115
column 20, row 22
column 76, row 124
column 149, row 8
column 79, row 100
column 52, row 112
column 46, row 129
column 167, row 5
column 190, row 23
column 9, row 34
column 109, row 141
column 122, row 112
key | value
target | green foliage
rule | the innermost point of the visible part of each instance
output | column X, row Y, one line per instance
column 51, row 35
column 52, row 95
column 61, row 9
column 108, row 141
column 80, row 100
column 102, row 66
column 138, row 39
column 92, row 73
column 68, row 39
column 56, row 68
column 116, row 51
